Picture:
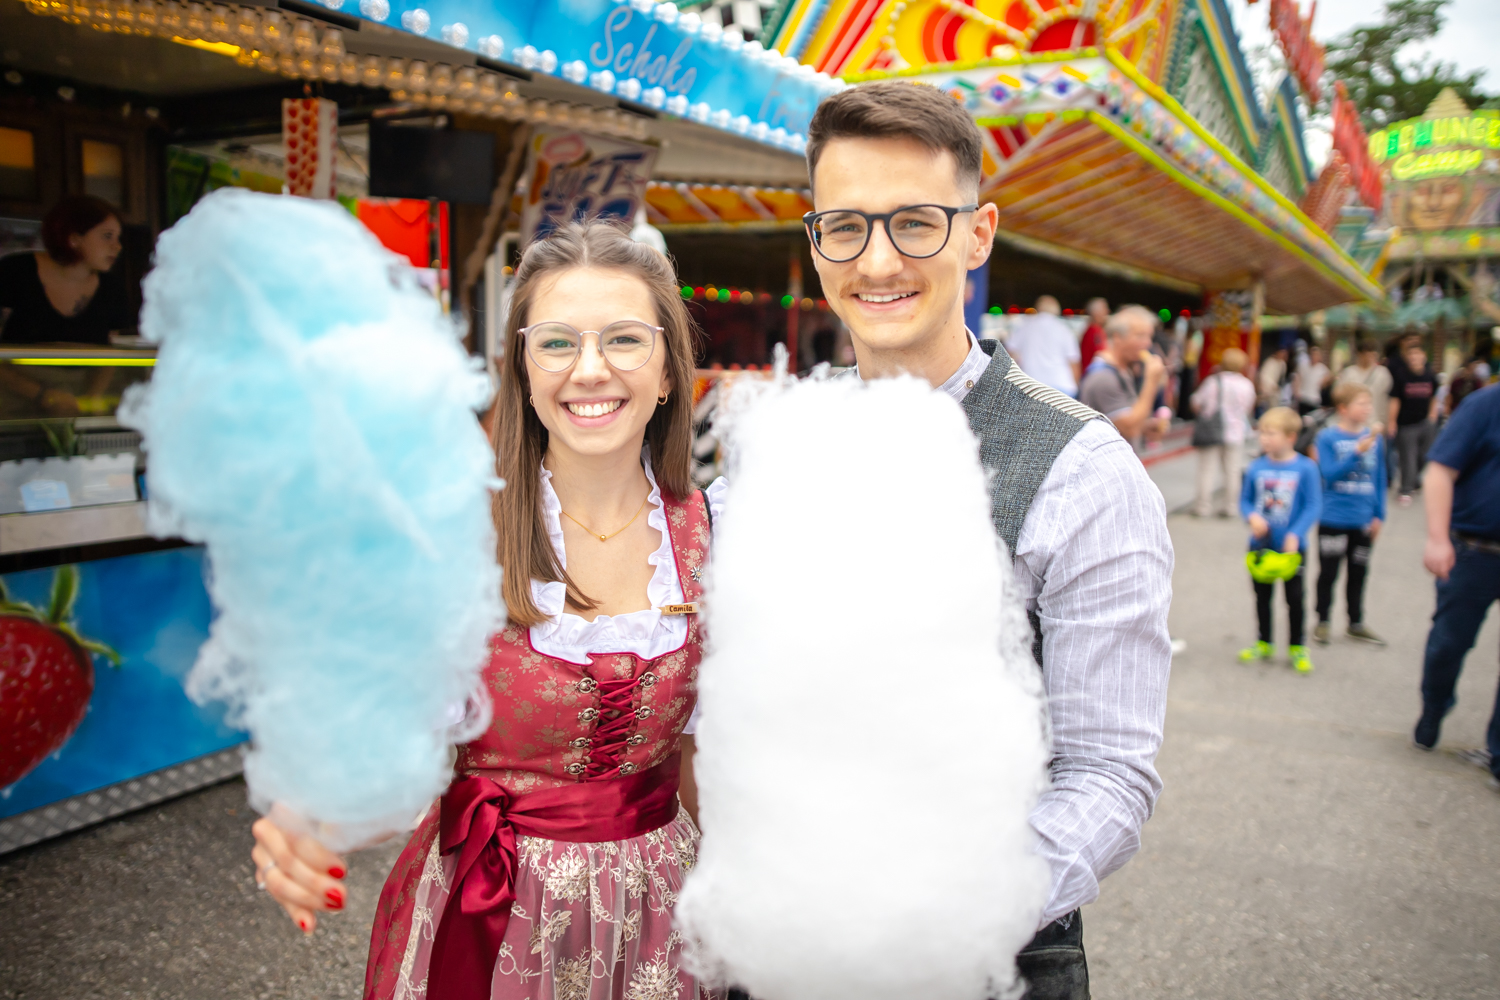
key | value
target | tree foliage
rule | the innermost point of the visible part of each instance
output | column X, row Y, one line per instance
column 1387, row 88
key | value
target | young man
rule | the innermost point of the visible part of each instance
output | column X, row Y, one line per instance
column 1110, row 385
column 1269, row 379
column 1307, row 384
column 1413, row 413
column 1351, row 458
column 895, row 171
column 1281, row 500
column 1463, row 552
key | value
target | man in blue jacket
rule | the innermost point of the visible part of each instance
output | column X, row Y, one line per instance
column 1461, row 485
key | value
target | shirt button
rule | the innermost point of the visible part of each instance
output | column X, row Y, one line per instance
column 969, row 384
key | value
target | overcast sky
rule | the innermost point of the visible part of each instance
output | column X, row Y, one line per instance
column 1470, row 38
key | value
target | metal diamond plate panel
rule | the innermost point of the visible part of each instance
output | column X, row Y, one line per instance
column 116, row 800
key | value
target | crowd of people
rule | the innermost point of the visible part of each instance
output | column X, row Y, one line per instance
column 1333, row 445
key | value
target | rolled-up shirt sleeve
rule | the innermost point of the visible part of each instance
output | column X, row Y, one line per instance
column 1094, row 561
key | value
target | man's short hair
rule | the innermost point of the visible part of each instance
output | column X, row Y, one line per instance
column 1120, row 323
column 1234, row 360
column 1347, row 392
column 898, row 109
column 1048, row 304
column 1367, row 347
column 1283, row 419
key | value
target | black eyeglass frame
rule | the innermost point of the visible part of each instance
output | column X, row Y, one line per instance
column 525, row 334
column 884, row 218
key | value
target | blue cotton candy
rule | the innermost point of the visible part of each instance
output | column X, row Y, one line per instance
column 311, row 419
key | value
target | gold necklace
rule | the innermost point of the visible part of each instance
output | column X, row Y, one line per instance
column 605, row 538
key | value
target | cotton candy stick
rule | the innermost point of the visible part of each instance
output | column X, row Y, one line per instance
column 871, row 739
column 311, row 420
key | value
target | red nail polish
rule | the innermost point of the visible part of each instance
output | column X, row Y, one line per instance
column 302, row 925
column 335, row 872
column 335, row 899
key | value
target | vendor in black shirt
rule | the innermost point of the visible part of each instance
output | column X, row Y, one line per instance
column 64, row 294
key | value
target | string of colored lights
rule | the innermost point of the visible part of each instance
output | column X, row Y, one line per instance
column 741, row 296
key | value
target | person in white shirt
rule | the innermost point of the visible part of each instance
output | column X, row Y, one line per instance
column 1228, row 396
column 1312, row 375
column 1045, row 347
column 1370, row 373
column 897, row 225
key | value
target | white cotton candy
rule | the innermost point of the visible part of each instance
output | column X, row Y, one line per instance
column 311, row 419
column 872, row 733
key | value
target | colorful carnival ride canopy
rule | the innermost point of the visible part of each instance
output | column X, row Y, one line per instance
column 1125, row 134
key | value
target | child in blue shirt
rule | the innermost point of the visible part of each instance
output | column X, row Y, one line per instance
column 1282, row 498
column 1351, row 456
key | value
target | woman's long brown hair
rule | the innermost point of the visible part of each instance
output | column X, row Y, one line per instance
column 525, row 551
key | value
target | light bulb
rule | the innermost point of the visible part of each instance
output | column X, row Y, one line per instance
column 219, row 28
column 333, row 44
column 416, row 77
column 465, row 83
column 349, row 69
column 247, row 27
column 194, row 22
column 395, row 75
column 304, row 36
column 147, row 13
column 104, row 16
column 370, row 71
column 273, row 31
column 328, row 69
column 286, row 64
column 441, row 81
column 307, row 69
column 267, row 62
column 125, row 16
column 169, row 19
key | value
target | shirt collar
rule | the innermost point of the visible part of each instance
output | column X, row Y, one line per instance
column 962, row 382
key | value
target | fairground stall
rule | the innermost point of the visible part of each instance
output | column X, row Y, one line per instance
column 1441, row 222
column 1124, row 139
column 456, row 131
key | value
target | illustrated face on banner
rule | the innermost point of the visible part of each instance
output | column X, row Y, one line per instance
column 1436, row 203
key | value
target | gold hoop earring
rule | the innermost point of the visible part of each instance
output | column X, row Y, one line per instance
column 533, row 401
column 662, row 399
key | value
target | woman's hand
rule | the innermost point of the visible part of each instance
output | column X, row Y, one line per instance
column 299, row 873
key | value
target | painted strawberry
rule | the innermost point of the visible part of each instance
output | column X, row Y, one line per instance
column 46, row 676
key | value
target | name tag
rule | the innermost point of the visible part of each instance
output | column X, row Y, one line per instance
column 678, row 609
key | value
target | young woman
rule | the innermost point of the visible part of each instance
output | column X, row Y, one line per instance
column 550, row 866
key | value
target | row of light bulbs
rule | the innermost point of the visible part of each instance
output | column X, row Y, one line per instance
column 295, row 47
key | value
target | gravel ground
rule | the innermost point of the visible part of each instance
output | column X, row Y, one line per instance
column 1302, row 848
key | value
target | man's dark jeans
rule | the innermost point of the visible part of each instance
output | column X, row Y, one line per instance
column 1053, row 964
column 1462, row 602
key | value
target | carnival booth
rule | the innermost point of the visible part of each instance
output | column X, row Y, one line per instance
column 557, row 111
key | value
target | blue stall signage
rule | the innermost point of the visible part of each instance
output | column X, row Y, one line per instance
column 640, row 50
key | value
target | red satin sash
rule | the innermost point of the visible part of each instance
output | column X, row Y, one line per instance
column 481, row 821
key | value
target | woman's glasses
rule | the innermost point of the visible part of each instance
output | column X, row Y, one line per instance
column 626, row 344
column 917, row 231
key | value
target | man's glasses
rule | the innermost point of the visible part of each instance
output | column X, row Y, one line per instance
column 626, row 344
column 840, row 235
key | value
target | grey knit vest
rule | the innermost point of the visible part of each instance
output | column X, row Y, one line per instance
column 1022, row 426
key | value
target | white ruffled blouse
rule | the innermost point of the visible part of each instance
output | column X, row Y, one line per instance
column 648, row 633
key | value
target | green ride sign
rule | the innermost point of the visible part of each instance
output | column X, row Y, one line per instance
column 1436, row 147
